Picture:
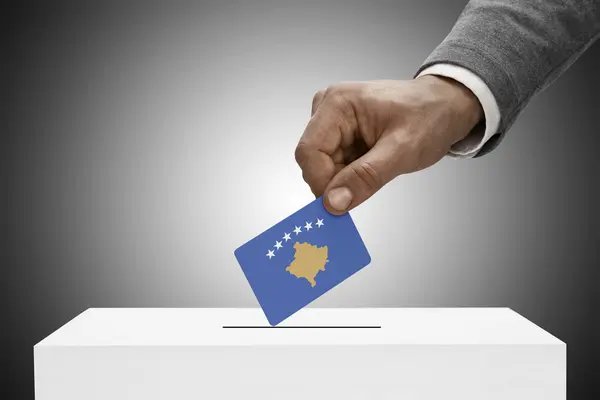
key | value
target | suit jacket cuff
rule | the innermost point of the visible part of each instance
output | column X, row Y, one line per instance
column 472, row 144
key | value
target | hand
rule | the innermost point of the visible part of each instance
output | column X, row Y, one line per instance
column 364, row 134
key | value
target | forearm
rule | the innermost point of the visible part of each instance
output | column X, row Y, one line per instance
column 518, row 47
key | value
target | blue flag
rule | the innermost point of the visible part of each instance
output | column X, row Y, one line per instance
column 301, row 258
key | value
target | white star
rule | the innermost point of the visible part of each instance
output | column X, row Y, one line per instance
column 320, row 222
column 270, row 254
column 286, row 237
column 297, row 230
column 278, row 245
column 308, row 226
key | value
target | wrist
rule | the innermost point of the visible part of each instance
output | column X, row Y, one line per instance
column 461, row 101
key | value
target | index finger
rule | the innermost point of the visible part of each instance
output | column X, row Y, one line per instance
column 318, row 152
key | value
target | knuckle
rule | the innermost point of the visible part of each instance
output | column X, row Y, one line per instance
column 341, row 103
column 331, row 89
column 300, row 153
column 318, row 96
column 338, row 97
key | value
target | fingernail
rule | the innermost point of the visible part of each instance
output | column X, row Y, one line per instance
column 340, row 198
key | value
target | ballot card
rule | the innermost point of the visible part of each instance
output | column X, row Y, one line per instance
column 300, row 258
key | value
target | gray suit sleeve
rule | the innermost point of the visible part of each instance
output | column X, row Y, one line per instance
column 518, row 48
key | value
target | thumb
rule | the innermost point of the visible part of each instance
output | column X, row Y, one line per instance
column 361, row 179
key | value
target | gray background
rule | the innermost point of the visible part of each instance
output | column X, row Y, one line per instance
column 142, row 143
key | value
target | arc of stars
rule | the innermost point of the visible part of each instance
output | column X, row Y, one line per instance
column 287, row 236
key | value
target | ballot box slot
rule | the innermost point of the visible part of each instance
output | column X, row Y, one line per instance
column 302, row 327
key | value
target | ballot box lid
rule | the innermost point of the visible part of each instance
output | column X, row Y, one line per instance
column 310, row 326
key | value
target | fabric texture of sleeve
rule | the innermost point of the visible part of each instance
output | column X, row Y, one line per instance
column 518, row 48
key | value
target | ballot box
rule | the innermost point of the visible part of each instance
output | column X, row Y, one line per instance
column 364, row 353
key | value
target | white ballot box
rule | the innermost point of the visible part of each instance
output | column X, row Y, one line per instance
column 364, row 353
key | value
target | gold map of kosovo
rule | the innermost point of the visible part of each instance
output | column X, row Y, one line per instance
column 308, row 261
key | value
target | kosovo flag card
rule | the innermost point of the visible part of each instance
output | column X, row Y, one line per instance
column 300, row 258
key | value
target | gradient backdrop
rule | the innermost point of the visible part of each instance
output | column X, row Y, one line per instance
column 143, row 142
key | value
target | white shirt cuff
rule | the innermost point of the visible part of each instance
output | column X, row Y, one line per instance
column 470, row 146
